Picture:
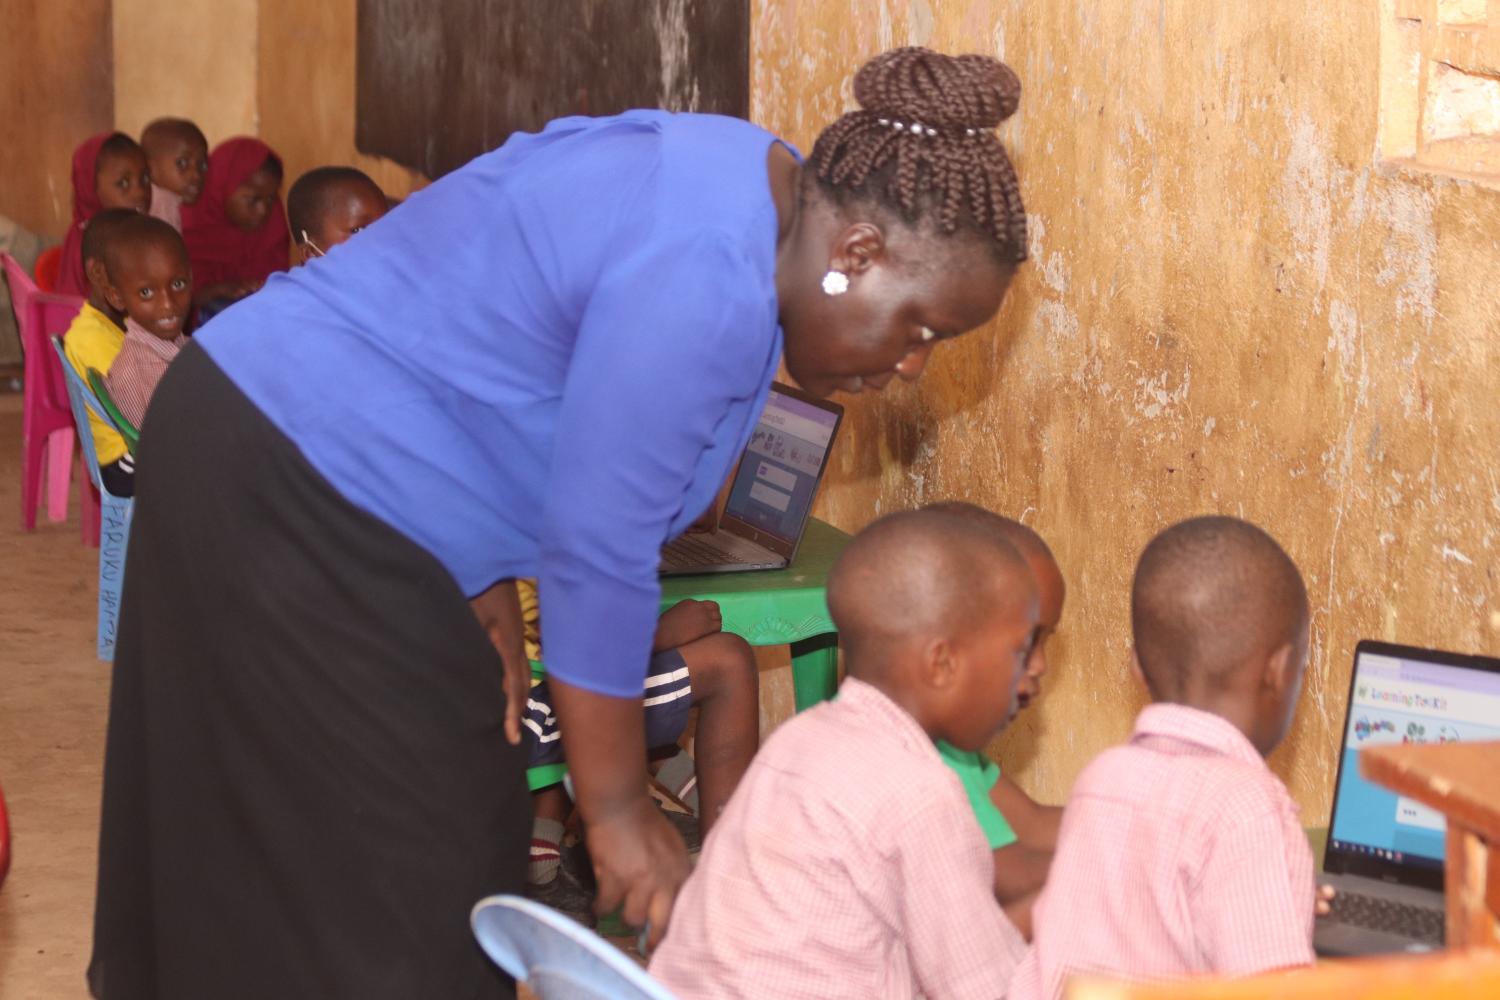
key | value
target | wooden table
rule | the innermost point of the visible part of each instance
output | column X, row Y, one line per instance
column 1461, row 781
column 787, row 606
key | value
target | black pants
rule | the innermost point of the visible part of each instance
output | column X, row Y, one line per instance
column 307, row 784
column 119, row 476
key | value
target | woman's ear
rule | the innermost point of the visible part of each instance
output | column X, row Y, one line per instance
column 857, row 248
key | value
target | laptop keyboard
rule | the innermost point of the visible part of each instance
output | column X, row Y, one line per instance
column 691, row 551
column 1422, row 923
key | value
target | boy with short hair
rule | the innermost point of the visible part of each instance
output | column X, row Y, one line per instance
column 146, row 263
column 328, row 205
column 1180, row 852
column 1021, row 831
column 848, row 863
column 177, row 156
column 93, row 340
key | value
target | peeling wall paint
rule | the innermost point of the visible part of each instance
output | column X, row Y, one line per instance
column 1230, row 307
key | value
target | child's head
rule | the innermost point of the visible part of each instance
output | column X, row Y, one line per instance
column 98, row 233
column 248, row 176
column 938, row 611
column 328, row 205
column 148, row 278
column 120, row 177
column 1051, row 590
column 177, row 155
column 1220, row 618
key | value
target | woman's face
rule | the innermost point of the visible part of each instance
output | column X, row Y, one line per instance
column 250, row 204
column 905, row 297
column 122, row 181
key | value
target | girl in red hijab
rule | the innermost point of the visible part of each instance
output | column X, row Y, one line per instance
column 236, row 233
column 109, row 171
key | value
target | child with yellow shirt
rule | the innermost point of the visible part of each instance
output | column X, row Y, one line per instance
column 93, row 340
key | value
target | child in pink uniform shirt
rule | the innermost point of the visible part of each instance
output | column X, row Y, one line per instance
column 848, row 862
column 149, row 281
column 177, row 156
column 1180, row 852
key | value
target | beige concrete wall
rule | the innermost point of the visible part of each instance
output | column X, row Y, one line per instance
column 1230, row 307
column 306, row 91
column 194, row 59
column 55, row 69
column 279, row 69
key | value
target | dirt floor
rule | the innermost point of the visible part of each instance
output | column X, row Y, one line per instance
column 53, row 695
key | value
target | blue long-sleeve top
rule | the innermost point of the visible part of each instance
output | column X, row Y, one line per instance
column 544, row 364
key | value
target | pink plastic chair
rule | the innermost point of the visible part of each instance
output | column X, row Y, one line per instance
column 47, row 436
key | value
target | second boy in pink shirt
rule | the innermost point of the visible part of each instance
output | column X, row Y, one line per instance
column 848, row 863
column 1180, row 852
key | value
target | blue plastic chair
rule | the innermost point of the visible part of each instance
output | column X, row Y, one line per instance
column 555, row 956
column 114, row 512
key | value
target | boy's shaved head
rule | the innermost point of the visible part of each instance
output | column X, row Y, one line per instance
column 930, row 572
column 1023, row 539
column 130, row 236
column 1211, row 596
column 164, row 132
column 312, row 197
column 100, row 231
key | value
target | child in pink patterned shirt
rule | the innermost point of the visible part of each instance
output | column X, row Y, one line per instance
column 1180, row 852
column 848, row 863
column 177, row 157
column 149, row 280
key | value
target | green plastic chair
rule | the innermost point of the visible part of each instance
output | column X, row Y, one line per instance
column 125, row 427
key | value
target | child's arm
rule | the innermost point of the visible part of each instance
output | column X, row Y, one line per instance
column 1020, row 873
column 685, row 622
column 1021, row 868
column 1035, row 824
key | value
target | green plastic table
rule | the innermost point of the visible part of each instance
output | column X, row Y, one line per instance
column 768, row 609
column 785, row 606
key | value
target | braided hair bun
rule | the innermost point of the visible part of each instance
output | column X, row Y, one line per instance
column 922, row 144
column 947, row 92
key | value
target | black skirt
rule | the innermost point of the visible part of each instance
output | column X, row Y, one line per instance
column 306, row 783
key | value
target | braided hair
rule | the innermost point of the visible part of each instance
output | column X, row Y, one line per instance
column 922, row 143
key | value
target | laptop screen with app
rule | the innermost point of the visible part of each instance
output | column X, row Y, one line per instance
column 1405, row 699
column 778, row 477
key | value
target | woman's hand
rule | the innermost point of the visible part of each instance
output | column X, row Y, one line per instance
column 499, row 612
column 639, row 860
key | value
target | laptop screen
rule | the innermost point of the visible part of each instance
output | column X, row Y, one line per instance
column 773, row 489
column 1400, row 696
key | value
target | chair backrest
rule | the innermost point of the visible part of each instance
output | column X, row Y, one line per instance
column 48, row 265
column 40, row 315
column 81, row 399
column 125, row 427
column 555, row 956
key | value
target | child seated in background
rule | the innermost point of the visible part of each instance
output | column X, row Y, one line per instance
column 1180, row 852
column 1021, row 832
column 146, row 263
column 694, row 663
column 93, row 340
column 177, row 156
column 848, row 863
column 236, row 233
column 328, row 205
column 109, row 171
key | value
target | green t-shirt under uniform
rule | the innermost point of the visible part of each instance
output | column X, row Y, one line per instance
column 979, row 774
